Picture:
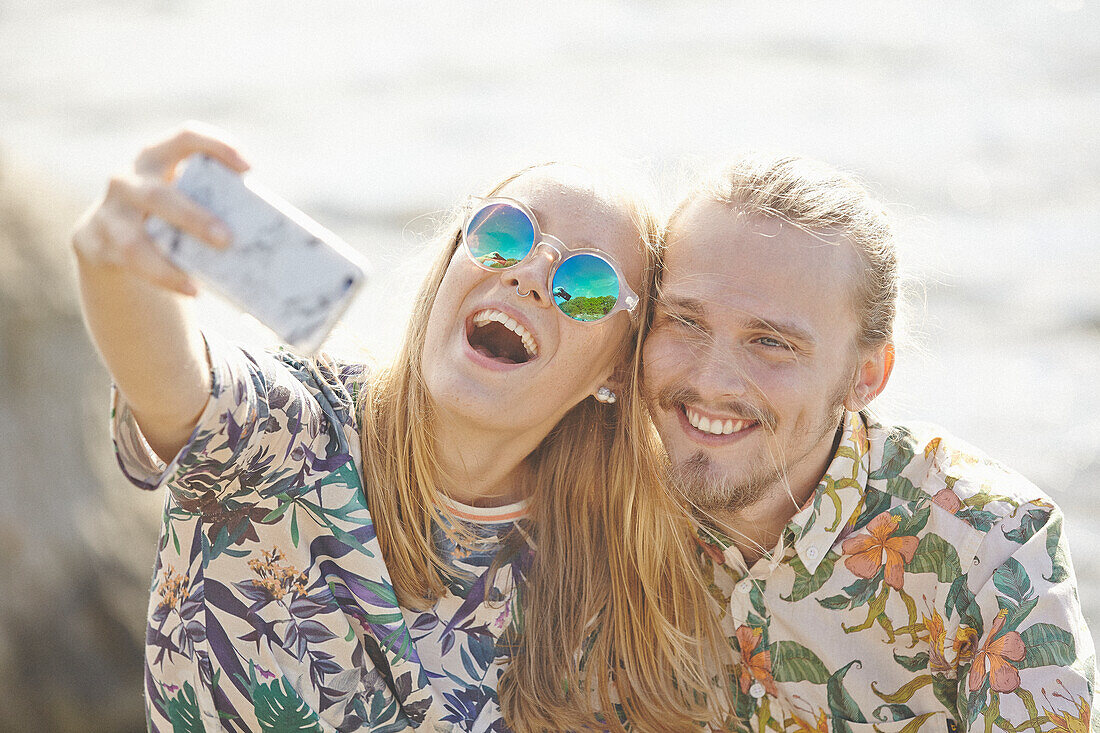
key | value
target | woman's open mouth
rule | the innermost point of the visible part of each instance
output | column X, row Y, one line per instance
column 499, row 337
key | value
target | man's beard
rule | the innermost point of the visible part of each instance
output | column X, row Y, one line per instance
column 708, row 489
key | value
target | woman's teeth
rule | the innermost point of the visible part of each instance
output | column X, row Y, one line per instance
column 715, row 427
column 489, row 314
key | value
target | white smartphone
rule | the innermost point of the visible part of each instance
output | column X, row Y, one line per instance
column 292, row 274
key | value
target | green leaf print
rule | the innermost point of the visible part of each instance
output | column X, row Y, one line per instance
column 913, row 523
column 961, row 602
column 875, row 502
column 864, row 589
column 835, row 603
column 889, row 713
column 792, row 662
column 1059, row 559
column 279, row 709
column 1015, row 613
column 1032, row 521
column 916, row 663
column 841, row 704
column 1047, row 645
column 936, row 555
column 904, row 488
column 1011, row 579
column 804, row 583
column 183, row 711
column 897, row 453
column 946, row 691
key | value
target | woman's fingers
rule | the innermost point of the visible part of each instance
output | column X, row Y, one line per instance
column 160, row 159
column 153, row 197
column 113, row 231
column 125, row 244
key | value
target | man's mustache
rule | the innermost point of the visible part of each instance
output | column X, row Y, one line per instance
column 672, row 396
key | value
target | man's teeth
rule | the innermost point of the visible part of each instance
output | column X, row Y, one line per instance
column 489, row 314
column 715, row 427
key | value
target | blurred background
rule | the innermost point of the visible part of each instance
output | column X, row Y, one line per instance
column 976, row 122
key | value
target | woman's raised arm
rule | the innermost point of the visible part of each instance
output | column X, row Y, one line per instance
column 133, row 297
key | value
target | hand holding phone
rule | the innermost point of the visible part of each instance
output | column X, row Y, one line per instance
column 292, row 274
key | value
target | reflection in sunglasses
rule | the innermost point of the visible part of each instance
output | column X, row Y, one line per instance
column 585, row 286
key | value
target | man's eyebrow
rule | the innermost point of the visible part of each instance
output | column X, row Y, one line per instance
column 789, row 331
column 692, row 306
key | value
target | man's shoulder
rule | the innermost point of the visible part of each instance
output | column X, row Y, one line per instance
column 923, row 462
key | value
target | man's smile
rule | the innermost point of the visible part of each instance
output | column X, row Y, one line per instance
column 711, row 427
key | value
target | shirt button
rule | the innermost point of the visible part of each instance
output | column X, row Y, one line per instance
column 757, row 690
column 744, row 586
column 811, row 552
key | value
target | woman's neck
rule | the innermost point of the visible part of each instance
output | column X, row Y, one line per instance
column 483, row 466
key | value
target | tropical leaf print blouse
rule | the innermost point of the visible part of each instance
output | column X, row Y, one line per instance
column 271, row 608
column 924, row 587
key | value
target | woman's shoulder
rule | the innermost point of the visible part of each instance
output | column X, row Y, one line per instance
column 334, row 381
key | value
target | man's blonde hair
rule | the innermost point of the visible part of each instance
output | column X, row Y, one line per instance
column 821, row 200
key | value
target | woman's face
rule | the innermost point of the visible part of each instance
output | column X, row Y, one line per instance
column 480, row 372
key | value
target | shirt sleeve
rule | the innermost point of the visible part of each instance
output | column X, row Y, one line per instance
column 256, row 431
column 1031, row 660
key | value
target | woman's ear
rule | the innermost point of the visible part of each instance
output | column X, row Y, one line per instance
column 871, row 377
column 614, row 383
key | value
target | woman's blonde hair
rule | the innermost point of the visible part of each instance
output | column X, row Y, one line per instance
column 620, row 623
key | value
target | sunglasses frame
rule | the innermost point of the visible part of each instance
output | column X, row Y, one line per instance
column 627, row 300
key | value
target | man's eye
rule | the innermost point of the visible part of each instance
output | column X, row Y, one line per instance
column 773, row 343
column 683, row 320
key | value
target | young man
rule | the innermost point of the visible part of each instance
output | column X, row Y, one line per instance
column 870, row 576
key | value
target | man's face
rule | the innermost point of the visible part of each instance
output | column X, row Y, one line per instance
column 752, row 354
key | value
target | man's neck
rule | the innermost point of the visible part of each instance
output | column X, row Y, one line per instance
column 755, row 530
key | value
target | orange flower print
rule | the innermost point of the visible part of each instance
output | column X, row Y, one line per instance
column 932, row 447
column 869, row 551
column 997, row 654
column 714, row 553
column 820, row 725
column 172, row 589
column 963, row 644
column 937, row 637
column 754, row 665
column 947, row 499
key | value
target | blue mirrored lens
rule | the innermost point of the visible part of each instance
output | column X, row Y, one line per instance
column 585, row 287
column 500, row 235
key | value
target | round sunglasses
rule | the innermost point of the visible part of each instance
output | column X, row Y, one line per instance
column 586, row 284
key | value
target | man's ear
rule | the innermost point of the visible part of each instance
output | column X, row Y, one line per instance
column 871, row 377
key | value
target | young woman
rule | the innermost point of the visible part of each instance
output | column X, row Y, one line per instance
column 345, row 550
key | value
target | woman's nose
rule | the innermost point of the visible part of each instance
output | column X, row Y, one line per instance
column 532, row 276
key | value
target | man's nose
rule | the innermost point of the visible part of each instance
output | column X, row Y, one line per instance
column 532, row 276
column 718, row 374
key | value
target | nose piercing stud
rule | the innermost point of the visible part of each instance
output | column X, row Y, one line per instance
column 603, row 394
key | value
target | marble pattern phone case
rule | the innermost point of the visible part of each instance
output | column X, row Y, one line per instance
column 293, row 275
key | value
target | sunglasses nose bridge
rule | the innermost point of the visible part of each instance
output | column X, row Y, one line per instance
column 555, row 253
column 531, row 276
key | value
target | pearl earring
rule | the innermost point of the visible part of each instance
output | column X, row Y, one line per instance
column 605, row 395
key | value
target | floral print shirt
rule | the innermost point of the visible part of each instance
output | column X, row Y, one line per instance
column 271, row 608
column 924, row 587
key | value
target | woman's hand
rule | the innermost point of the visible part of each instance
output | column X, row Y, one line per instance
column 129, row 289
column 111, row 234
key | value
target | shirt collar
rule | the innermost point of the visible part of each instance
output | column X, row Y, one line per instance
column 838, row 497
